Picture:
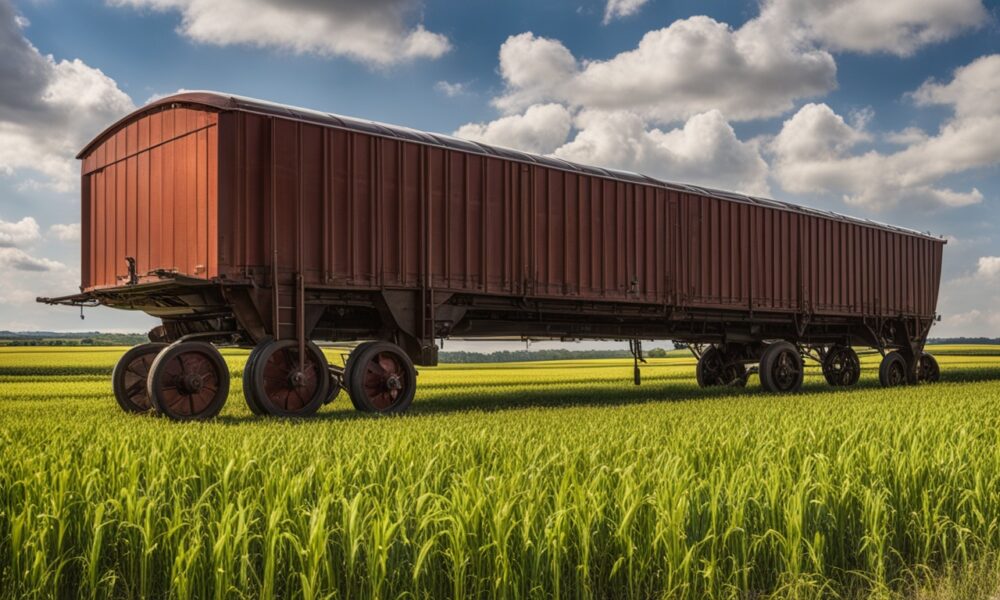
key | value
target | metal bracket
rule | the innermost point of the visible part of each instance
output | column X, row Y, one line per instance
column 133, row 275
column 635, row 347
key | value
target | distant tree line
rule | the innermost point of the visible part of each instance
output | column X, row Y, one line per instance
column 87, row 338
column 964, row 340
column 501, row 356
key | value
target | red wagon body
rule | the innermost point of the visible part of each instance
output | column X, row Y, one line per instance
column 231, row 218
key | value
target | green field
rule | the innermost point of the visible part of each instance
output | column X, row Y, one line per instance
column 522, row 480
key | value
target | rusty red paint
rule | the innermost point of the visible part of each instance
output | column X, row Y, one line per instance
column 152, row 188
column 190, row 184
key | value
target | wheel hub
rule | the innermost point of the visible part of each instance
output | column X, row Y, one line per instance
column 784, row 373
column 393, row 382
column 297, row 379
column 192, row 383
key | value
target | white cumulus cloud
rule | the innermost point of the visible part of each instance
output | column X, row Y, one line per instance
column 816, row 132
column 692, row 65
column 615, row 9
column 814, row 152
column 694, row 74
column 541, row 129
column 973, row 92
column 898, row 27
column 18, row 233
column 49, row 109
column 704, row 151
column 450, row 89
column 379, row 32
column 988, row 267
column 69, row 232
column 907, row 136
column 973, row 323
column 19, row 260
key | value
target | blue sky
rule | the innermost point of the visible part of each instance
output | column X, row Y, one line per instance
column 886, row 109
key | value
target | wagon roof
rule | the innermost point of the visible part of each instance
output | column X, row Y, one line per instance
column 231, row 102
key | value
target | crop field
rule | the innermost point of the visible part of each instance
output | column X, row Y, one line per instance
column 520, row 480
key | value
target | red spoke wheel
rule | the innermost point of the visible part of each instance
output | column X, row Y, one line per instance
column 781, row 368
column 714, row 370
column 189, row 381
column 842, row 367
column 248, row 385
column 928, row 370
column 128, row 380
column 892, row 371
column 285, row 386
column 381, row 378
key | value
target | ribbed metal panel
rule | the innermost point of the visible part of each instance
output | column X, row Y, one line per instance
column 151, row 193
column 351, row 204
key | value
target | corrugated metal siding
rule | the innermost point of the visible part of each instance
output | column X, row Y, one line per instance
column 736, row 255
column 352, row 209
column 358, row 210
column 150, row 192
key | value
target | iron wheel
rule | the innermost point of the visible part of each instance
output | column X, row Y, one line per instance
column 928, row 370
column 892, row 371
column 382, row 378
column 714, row 370
column 285, row 386
column 248, row 385
column 128, row 380
column 189, row 381
column 781, row 368
column 841, row 366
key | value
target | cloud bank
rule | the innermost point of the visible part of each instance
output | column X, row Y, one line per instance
column 814, row 151
column 49, row 109
column 378, row 32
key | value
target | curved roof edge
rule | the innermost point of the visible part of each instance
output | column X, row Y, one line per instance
column 225, row 102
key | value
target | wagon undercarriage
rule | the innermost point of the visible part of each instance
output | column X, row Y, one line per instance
column 401, row 328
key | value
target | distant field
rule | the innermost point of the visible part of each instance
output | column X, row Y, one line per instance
column 515, row 480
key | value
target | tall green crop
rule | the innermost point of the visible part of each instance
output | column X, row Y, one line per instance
column 527, row 480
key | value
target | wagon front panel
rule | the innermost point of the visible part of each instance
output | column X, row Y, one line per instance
column 150, row 194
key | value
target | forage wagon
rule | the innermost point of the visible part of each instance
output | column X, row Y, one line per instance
column 241, row 222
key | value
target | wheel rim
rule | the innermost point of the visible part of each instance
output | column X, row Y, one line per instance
column 385, row 381
column 843, row 368
column 136, row 373
column 712, row 368
column 189, row 384
column 786, row 371
column 897, row 374
column 287, row 384
column 928, row 370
